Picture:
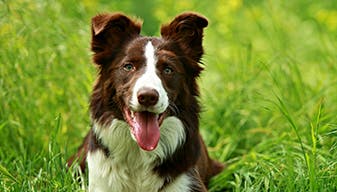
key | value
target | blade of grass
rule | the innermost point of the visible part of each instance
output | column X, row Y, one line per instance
column 283, row 109
column 7, row 174
column 312, row 159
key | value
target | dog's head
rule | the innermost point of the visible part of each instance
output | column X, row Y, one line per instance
column 143, row 80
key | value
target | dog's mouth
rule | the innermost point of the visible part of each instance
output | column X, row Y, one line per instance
column 144, row 127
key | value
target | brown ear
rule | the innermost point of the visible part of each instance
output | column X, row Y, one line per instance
column 187, row 30
column 109, row 33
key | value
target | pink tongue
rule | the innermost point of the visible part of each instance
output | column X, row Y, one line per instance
column 146, row 130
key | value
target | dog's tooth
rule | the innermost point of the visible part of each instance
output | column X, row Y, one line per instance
column 132, row 114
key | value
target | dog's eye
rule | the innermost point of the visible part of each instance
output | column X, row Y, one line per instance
column 128, row 67
column 168, row 70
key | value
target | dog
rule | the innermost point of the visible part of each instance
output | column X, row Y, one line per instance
column 144, row 108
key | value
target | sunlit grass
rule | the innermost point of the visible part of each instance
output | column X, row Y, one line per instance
column 269, row 90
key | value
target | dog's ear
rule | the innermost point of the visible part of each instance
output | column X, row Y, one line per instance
column 109, row 33
column 187, row 30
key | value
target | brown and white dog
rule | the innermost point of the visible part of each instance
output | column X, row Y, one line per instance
column 144, row 108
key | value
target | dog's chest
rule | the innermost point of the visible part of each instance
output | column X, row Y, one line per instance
column 132, row 174
column 106, row 175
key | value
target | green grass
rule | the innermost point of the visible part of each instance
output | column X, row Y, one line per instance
column 269, row 90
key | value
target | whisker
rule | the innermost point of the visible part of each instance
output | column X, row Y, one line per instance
column 174, row 108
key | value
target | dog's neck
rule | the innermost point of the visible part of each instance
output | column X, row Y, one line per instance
column 116, row 138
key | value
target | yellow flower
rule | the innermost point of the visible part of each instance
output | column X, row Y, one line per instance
column 328, row 18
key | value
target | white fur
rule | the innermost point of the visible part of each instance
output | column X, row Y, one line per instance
column 129, row 168
column 182, row 183
column 151, row 80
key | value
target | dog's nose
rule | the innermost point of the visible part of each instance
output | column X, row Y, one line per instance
column 147, row 97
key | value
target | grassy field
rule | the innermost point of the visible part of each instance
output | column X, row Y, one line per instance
column 269, row 89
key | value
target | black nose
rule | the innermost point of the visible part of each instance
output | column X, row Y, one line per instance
column 147, row 96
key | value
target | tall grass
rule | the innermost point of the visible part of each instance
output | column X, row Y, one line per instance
column 269, row 90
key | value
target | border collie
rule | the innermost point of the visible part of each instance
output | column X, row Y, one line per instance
column 144, row 108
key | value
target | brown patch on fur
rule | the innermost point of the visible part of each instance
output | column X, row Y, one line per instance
column 81, row 155
column 207, row 167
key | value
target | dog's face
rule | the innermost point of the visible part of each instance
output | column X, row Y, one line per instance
column 143, row 80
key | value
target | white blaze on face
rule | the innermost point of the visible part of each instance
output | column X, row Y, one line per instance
column 150, row 80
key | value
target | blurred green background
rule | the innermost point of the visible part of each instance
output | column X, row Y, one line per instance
column 269, row 89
